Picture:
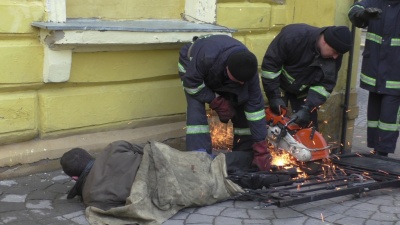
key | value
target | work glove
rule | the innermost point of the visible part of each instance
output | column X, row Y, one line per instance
column 262, row 157
column 302, row 116
column 369, row 13
column 223, row 108
column 275, row 104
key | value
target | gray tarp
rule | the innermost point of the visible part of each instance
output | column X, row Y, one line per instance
column 169, row 180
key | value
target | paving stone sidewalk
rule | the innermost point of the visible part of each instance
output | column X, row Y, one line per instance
column 41, row 199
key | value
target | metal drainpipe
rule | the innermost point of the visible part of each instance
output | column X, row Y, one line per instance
column 347, row 92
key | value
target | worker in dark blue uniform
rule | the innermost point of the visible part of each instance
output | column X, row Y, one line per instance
column 220, row 71
column 301, row 66
column 380, row 72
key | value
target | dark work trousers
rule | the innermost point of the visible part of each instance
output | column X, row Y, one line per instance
column 383, row 122
column 197, row 129
column 296, row 103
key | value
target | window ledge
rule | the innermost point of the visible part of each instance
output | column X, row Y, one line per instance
column 75, row 33
column 60, row 39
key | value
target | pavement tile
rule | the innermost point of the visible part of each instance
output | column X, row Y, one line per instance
column 227, row 220
column 337, row 208
column 376, row 222
column 312, row 221
column 350, row 220
column 318, row 212
column 80, row 220
column 283, row 213
column 389, row 209
column 58, row 188
column 261, row 214
column 22, row 215
column 366, row 206
column 256, row 222
column 289, row 221
column 302, row 207
column 39, row 204
column 13, row 198
column 211, row 210
column 11, row 207
column 235, row 213
column 333, row 218
column 180, row 216
column 384, row 217
column 353, row 212
column 174, row 222
column 41, row 195
column 199, row 219
column 247, row 204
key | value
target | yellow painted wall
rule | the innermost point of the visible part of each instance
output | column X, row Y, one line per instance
column 123, row 66
column 125, row 9
column 118, row 89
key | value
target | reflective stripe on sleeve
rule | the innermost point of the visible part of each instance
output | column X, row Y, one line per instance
column 181, row 68
column 193, row 91
column 321, row 90
column 254, row 116
column 270, row 75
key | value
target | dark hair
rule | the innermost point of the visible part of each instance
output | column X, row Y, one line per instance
column 74, row 161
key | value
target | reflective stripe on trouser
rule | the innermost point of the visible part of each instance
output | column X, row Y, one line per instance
column 197, row 129
column 242, row 139
column 383, row 122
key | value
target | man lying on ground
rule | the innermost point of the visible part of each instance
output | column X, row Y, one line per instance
column 129, row 183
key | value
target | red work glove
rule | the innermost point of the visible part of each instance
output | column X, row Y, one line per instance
column 262, row 157
column 223, row 108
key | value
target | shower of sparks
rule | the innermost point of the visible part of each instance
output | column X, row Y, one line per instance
column 221, row 133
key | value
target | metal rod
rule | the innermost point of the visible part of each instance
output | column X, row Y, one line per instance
column 336, row 193
column 347, row 92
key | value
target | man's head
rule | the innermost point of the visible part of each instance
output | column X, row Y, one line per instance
column 74, row 161
column 336, row 40
column 242, row 66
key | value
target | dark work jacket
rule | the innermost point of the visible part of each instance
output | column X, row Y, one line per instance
column 205, row 75
column 109, row 182
column 380, row 71
column 293, row 63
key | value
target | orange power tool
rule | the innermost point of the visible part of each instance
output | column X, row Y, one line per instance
column 305, row 144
